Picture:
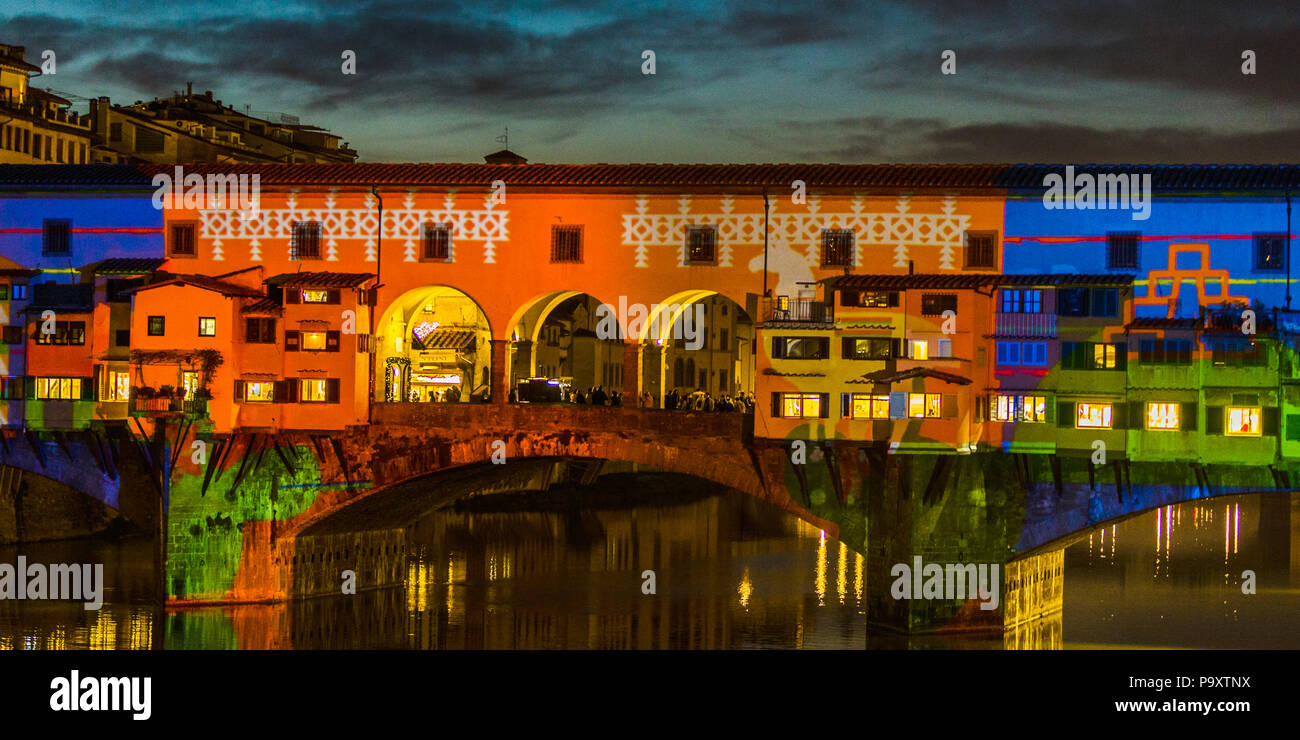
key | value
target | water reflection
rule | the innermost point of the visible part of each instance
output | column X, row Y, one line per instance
column 1174, row 576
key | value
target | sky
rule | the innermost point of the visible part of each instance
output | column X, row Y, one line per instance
column 751, row 81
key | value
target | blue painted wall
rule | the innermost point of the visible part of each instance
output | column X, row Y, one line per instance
column 103, row 225
column 1040, row 240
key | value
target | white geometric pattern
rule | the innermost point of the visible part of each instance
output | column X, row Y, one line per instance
column 339, row 225
column 801, row 227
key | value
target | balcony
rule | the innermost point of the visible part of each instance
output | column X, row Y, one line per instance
column 193, row 408
column 1026, row 324
column 803, row 310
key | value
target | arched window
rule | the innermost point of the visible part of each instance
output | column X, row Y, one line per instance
column 678, row 367
column 690, row 371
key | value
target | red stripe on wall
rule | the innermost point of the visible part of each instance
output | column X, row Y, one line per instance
column 94, row 230
column 1143, row 237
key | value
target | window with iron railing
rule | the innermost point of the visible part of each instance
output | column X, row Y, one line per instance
column 981, row 250
column 566, row 243
column 306, row 241
column 701, row 245
column 837, row 248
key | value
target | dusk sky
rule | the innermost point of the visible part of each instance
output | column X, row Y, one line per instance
column 753, row 81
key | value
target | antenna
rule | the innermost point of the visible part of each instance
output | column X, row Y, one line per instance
column 504, row 139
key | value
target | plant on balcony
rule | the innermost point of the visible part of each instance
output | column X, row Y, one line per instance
column 166, row 391
column 202, row 394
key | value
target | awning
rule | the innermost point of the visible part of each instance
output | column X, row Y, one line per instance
column 448, row 339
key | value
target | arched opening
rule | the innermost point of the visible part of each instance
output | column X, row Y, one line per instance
column 434, row 345
column 564, row 340
column 708, row 341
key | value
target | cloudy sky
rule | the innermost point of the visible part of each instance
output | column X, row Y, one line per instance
column 746, row 81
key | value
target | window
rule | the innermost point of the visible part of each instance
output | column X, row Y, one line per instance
column 867, row 348
column 1015, row 300
column 918, row 349
column 801, row 348
column 801, row 405
column 1165, row 351
column 148, row 140
column 1093, row 415
column 259, row 331
column 65, row 332
column 1105, row 302
column 934, row 304
column 436, row 244
column 1234, row 351
column 866, row 406
column 12, row 334
column 181, row 240
column 1008, row 353
column 315, row 296
column 313, row 340
column 1270, row 252
column 1122, row 250
column 1242, row 421
column 190, row 383
column 837, row 248
column 116, row 386
column 11, row 389
column 58, row 389
column 262, row 391
column 115, row 132
column 700, row 245
column 1163, row 415
column 306, row 241
column 18, row 292
column 868, row 298
column 1094, row 356
column 157, row 325
column 56, row 237
column 314, row 391
column 4, row 292
column 924, row 405
column 981, row 250
column 566, row 243
column 1010, row 407
column 207, row 326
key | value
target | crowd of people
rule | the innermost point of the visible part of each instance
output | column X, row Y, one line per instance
column 701, row 401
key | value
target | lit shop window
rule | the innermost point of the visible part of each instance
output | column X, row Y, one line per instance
column 58, row 389
column 1242, row 422
column 1162, row 416
column 259, row 392
column 924, row 405
column 865, row 406
column 315, row 296
column 1019, row 408
column 313, row 340
column 314, row 391
column 920, row 349
column 801, row 405
column 1092, row 416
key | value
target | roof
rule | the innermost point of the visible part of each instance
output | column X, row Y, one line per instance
column 1161, row 322
column 13, row 61
column 321, row 279
column 126, row 265
column 1067, row 279
column 953, row 281
column 897, row 376
column 1166, row 177
column 776, row 176
column 262, row 305
column 994, row 177
column 204, row 282
column 13, row 176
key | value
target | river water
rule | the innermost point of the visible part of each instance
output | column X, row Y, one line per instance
column 729, row 573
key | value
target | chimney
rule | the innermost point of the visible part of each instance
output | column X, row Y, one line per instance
column 189, row 89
